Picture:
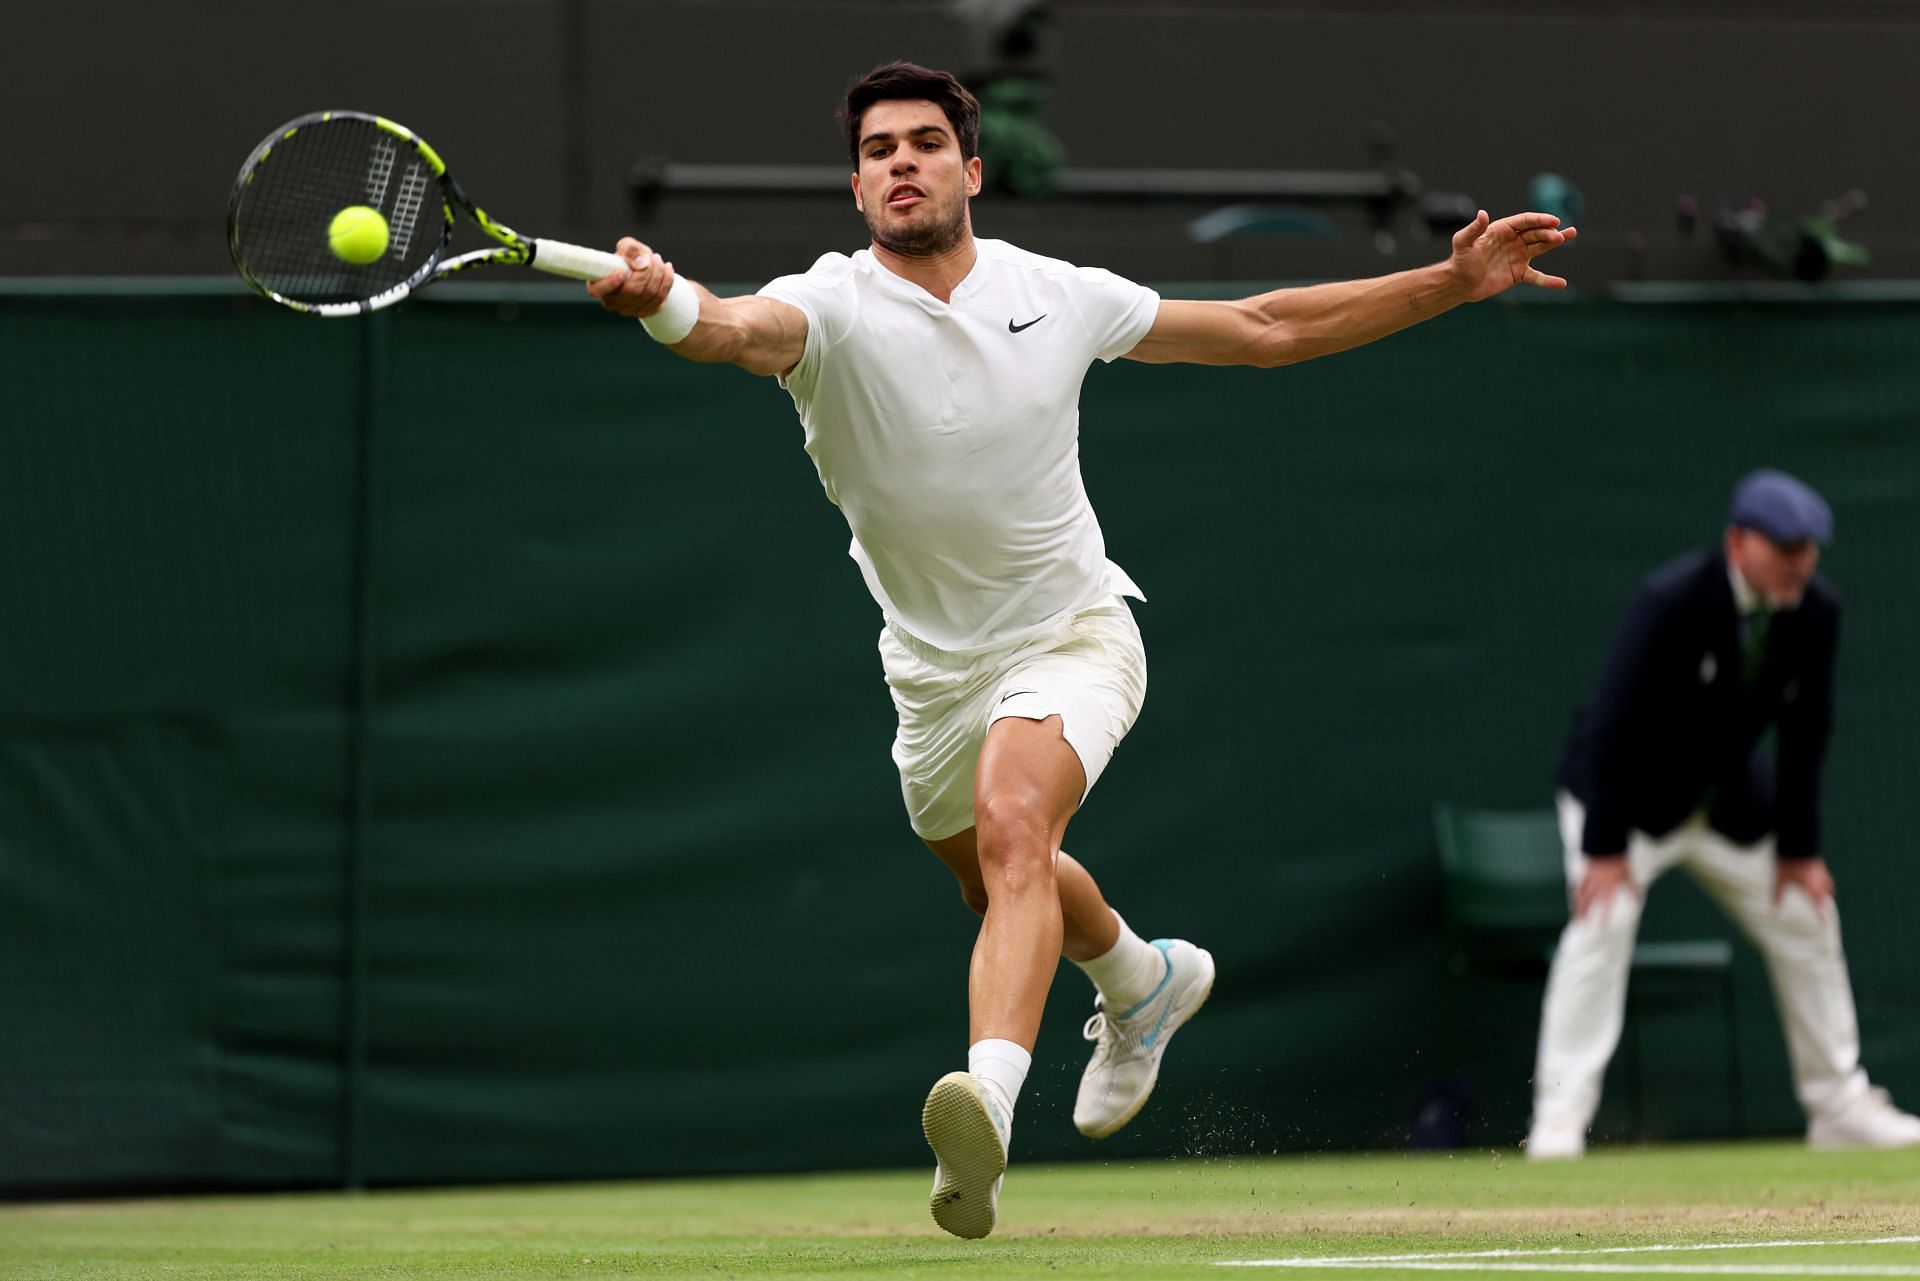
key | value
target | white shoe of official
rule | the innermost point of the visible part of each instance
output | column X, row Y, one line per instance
column 1553, row 1141
column 1870, row 1121
column 968, row 1134
column 1128, row 1046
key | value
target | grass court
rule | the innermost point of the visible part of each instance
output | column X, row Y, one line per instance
column 1756, row 1209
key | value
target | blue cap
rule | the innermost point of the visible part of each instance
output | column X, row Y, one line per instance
column 1782, row 508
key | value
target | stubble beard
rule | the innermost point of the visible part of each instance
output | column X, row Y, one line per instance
column 928, row 240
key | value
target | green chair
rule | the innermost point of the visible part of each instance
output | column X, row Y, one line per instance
column 1504, row 884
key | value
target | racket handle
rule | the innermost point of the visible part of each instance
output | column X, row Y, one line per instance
column 577, row 261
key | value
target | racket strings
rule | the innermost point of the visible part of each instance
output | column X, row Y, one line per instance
column 288, row 199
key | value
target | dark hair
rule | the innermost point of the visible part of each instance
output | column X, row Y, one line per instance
column 899, row 81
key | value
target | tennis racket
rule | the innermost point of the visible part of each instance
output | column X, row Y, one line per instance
column 281, row 220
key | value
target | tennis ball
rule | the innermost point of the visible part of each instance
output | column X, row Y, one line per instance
column 358, row 234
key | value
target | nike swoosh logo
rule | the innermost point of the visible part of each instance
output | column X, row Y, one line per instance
column 1148, row 1041
column 1017, row 693
column 1014, row 329
column 1152, row 1038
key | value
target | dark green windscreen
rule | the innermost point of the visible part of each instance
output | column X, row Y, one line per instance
column 455, row 749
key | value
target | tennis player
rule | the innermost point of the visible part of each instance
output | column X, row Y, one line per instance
column 938, row 378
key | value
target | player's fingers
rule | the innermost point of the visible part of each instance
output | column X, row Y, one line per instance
column 1544, row 281
column 1471, row 232
column 649, row 287
column 637, row 254
column 644, row 283
column 629, row 293
column 1523, row 222
column 609, row 284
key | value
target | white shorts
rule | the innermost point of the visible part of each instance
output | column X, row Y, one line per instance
column 1090, row 670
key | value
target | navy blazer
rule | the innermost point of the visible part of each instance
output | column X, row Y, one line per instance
column 1675, row 725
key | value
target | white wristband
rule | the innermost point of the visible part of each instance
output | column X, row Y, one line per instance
column 677, row 315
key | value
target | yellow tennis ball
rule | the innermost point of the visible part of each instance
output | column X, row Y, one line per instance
column 358, row 234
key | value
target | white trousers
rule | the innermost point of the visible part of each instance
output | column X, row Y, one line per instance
column 1587, row 987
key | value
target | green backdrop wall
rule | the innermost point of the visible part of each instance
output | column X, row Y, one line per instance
column 452, row 747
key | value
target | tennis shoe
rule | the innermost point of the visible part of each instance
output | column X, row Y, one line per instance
column 1128, row 1047
column 1552, row 1139
column 1870, row 1121
column 968, row 1133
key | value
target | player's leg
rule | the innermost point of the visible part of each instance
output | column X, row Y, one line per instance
column 1027, row 786
column 1811, row 987
column 1146, row 990
column 1089, row 927
column 1127, row 972
column 1069, row 701
column 1586, row 997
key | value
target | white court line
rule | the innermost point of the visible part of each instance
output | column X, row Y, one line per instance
column 1642, row 1269
column 1455, row 1261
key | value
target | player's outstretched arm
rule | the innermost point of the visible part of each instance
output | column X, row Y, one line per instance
column 1290, row 325
column 761, row 335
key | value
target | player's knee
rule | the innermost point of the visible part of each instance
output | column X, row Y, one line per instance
column 1008, row 818
column 1014, row 836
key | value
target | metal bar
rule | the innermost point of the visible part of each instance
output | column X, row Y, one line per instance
column 650, row 179
column 1237, row 184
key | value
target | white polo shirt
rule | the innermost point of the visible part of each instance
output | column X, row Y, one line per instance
column 948, row 434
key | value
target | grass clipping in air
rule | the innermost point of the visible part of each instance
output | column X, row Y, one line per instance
column 1122, row 1219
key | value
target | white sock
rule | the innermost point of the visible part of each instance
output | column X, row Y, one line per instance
column 1126, row 973
column 1002, row 1067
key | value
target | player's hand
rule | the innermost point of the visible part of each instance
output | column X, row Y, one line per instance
column 1491, row 257
column 638, row 291
column 1605, row 877
column 1809, row 875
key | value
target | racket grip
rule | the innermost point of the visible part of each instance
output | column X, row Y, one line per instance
column 562, row 259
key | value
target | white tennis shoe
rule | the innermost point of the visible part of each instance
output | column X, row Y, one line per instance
column 968, row 1134
column 1556, row 1140
column 1128, row 1046
column 1870, row 1121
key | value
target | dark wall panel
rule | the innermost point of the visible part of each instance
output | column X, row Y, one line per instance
column 544, row 106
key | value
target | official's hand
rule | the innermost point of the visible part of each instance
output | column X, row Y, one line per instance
column 1810, row 875
column 1491, row 257
column 640, row 289
column 1605, row 876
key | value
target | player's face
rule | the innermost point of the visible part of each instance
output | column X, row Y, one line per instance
column 913, row 184
column 1780, row 572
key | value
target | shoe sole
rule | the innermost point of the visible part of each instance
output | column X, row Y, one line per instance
column 1554, row 1154
column 967, row 1145
column 1829, row 1143
column 1174, row 1022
